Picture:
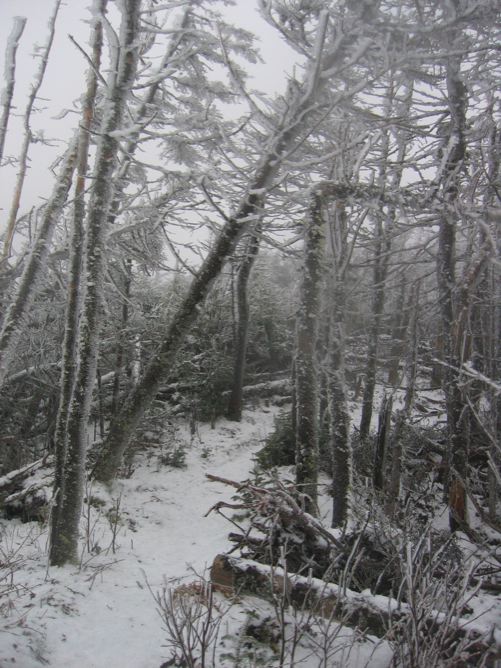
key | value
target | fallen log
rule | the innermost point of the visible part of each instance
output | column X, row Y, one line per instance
column 269, row 388
column 378, row 615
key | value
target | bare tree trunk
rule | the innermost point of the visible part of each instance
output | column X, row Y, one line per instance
column 10, row 77
column 398, row 335
column 382, row 438
column 340, row 420
column 403, row 415
column 446, row 279
column 305, row 364
column 65, row 542
column 122, row 339
column 236, row 397
column 23, row 158
column 69, row 357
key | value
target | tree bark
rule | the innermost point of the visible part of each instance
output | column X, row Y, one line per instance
column 306, row 435
column 65, row 542
column 382, row 438
column 236, row 397
column 10, row 77
column 339, row 427
column 396, row 446
column 446, row 279
column 69, row 357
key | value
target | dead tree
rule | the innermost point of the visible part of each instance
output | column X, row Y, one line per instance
column 28, row 283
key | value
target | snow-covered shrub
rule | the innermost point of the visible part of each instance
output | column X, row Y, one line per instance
column 436, row 591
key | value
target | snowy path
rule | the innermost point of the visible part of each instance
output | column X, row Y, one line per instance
column 106, row 617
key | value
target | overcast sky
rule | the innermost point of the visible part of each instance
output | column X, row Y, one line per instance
column 65, row 76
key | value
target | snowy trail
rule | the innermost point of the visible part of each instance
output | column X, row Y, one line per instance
column 104, row 617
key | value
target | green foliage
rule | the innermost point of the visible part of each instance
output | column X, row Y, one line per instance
column 279, row 448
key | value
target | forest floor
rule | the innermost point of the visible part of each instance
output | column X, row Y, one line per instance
column 146, row 535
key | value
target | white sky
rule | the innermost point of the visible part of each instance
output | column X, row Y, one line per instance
column 65, row 76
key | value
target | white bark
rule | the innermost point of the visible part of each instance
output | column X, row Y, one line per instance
column 10, row 77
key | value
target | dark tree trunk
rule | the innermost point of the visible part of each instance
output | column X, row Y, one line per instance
column 457, row 444
column 383, row 434
column 235, row 402
column 383, row 244
column 305, row 364
column 398, row 336
column 396, row 444
column 340, row 421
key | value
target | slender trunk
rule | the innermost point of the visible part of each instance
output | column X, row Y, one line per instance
column 28, row 282
column 382, row 438
column 398, row 336
column 10, row 77
column 340, row 420
column 122, row 339
column 66, row 541
column 457, row 440
column 306, row 371
column 383, row 244
column 236, row 397
column 403, row 415
column 28, row 138
column 69, row 357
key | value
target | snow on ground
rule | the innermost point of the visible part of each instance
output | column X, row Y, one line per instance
column 147, row 533
column 103, row 614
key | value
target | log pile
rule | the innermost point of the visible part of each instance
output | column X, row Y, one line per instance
column 286, row 552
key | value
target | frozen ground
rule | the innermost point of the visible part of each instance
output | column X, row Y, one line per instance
column 103, row 614
column 150, row 531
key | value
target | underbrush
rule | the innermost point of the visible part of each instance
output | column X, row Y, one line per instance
column 438, row 589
